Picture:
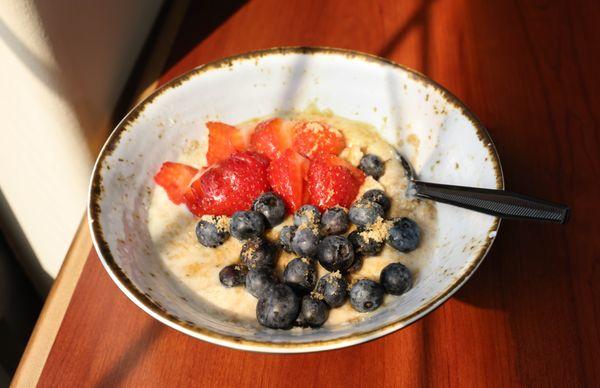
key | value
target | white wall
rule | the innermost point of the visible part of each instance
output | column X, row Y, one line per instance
column 62, row 67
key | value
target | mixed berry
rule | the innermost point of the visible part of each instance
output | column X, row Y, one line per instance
column 288, row 167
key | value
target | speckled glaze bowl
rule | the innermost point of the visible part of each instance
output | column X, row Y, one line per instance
column 443, row 140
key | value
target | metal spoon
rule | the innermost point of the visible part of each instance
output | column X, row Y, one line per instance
column 499, row 203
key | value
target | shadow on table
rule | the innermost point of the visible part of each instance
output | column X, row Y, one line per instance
column 128, row 361
column 419, row 20
column 202, row 18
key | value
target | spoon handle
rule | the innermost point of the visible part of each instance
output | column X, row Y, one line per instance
column 499, row 203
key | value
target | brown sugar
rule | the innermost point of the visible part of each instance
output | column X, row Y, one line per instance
column 220, row 222
column 378, row 231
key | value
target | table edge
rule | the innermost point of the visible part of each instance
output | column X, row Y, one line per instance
column 52, row 314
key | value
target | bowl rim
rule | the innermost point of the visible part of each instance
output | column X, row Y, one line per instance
column 158, row 312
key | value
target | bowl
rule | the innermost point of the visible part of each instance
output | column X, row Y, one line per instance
column 444, row 141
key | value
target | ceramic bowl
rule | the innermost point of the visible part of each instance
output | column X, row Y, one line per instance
column 445, row 142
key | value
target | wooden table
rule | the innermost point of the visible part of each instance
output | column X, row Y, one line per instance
column 529, row 316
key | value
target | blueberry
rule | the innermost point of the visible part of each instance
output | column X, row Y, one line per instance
column 364, row 243
column 278, row 308
column 363, row 212
column 366, row 295
column 301, row 275
column 286, row 236
column 212, row 231
column 334, row 221
column 233, row 275
column 396, row 279
column 307, row 215
column 313, row 312
column 404, row 235
column 259, row 281
column 271, row 206
column 247, row 224
column 335, row 253
column 372, row 165
column 258, row 253
column 333, row 288
column 305, row 242
column 378, row 196
column 357, row 265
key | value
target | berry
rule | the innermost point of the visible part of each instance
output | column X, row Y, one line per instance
column 229, row 185
column 363, row 213
column 305, row 242
column 333, row 181
column 312, row 138
column 313, row 312
column 335, row 253
column 223, row 141
column 271, row 138
column 286, row 236
column 233, row 275
column 212, row 231
column 372, row 165
column 404, row 235
column 364, row 244
column 258, row 253
column 357, row 265
column 247, row 224
column 258, row 281
column 278, row 307
column 287, row 177
column 396, row 279
column 333, row 288
column 301, row 275
column 271, row 206
column 334, row 221
column 366, row 295
column 175, row 178
column 307, row 215
column 377, row 196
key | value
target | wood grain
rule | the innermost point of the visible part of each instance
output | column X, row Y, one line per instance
column 531, row 314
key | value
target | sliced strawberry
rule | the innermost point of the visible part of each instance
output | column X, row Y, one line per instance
column 230, row 185
column 287, row 176
column 331, row 182
column 313, row 138
column 356, row 172
column 175, row 178
column 223, row 140
column 271, row 138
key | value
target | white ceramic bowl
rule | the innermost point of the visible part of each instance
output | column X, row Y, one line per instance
column 453, row 147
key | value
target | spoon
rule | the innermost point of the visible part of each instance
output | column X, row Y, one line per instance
column 499, row 203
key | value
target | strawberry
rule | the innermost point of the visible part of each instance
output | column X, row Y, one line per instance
column 229, row 185
column 271, row 138
column 312, row 138
column 356, row 172
column 175, row 178
column 287, row 176
column 223, row 140
column 333, row 181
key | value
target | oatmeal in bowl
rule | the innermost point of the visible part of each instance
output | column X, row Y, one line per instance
column 320, row 198
column 258, row 202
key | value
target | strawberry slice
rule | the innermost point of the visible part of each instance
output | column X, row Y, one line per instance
column 333, row 181
column 223, row 140
column 175, row 178
column 229, row 185
column 313, row 138
column 287, row 176
column 356, row 172
column 271, row 138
